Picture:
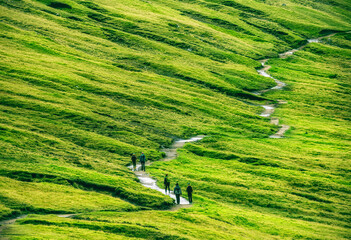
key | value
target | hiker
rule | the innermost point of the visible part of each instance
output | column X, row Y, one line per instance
column 167, row 183
column 189, row 189
column 142, row 161
column 134, row 158
column 177, row 192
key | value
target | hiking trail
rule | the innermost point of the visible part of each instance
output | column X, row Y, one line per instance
column 171, row 153
column 269, row 109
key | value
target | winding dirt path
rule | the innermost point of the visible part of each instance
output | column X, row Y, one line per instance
column 145, row 179
column 171, row 153
column 269, row 109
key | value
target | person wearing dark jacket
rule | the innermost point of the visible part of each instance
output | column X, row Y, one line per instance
column 177, row 192
column 142, row 161
column 134, row 158
column 167, row 183
column 189, row 189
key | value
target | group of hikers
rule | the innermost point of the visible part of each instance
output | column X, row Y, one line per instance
column 142, row 160
column 177, row 190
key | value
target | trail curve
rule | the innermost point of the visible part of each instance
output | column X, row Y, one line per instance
column 269, row 109
column 171, row 153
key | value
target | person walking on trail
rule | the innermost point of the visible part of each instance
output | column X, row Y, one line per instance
column 134, row 159
column 177, row 192
column 167, row 183
column 189, row 189
column 142, row 161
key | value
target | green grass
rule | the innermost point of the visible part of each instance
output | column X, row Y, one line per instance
column 84, row 84
column 41, row 196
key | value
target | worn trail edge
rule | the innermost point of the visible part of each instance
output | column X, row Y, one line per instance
column 6, row 223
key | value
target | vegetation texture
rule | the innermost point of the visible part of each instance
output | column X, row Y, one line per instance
column 83, row 84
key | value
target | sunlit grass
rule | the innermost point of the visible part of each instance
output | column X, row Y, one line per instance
column 84, row 84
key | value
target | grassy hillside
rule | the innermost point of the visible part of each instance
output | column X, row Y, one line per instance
column 85, row 83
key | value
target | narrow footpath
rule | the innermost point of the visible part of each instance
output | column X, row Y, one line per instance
column 269, row 109
column 171, row 153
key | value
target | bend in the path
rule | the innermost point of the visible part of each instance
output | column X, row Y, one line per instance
column 171, row 153
column 280, row 133
column 313, row 40
column 269, row 109
column 145, row 179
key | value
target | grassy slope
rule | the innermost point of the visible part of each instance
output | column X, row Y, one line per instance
column 84, row 84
